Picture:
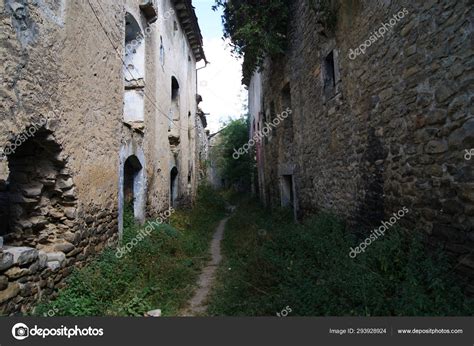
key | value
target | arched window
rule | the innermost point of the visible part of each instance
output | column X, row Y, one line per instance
column 134, row 71
column 174, row 89
column 174, row 111
column 134, row 51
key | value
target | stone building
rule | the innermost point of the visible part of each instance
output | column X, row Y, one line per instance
column 213, row 170
column 98, row 112
column 202, row 145
column 382, row 115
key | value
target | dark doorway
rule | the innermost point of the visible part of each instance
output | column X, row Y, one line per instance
column 173, row 186
column 131, row 183
column 287, row 198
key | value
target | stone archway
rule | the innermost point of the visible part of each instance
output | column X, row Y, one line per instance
column 132, row 183
column 37, row 199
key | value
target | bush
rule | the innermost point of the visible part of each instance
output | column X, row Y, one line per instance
column 236, row 172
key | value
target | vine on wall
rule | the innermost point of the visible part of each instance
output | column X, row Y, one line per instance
column 257, row 29
column 326, row 13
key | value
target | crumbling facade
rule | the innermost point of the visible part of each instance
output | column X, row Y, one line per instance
column 382, row 116
column 202, row 145
column 98, row 113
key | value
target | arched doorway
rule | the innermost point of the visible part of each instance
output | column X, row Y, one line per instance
column 173, row 186
column 132, row 185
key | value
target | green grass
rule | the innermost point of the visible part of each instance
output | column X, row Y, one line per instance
column 159, row 273
column 271, row 263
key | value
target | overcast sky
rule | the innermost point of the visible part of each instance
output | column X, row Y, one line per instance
column 219, row 83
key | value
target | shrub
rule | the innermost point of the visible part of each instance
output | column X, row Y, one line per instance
column 275, row 263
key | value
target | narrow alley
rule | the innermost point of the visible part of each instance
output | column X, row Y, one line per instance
column 214, row 158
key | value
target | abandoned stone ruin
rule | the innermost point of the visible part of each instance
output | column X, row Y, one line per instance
column 99, row 112
column 382, row 116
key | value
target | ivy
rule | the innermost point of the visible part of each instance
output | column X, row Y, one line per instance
column 256, row 29
column 326, row 13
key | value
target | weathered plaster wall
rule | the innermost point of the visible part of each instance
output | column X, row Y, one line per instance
column 60, row 66
column 175, row 63
column 44, row 69
column 393, row 130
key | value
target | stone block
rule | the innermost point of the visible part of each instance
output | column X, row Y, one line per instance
column 34, row 267
column 70, row 194
column 56, row 214
column 443, row 92
column 70, row 213
column 42, row 259
column 436, row 147
column 463, row 137
column 460, row 103
column 32, row 190
column 65, row 184
column 63, row 247
column 54, row 265
column 16, row 272
column 56, row 257
column 71, row 237
column 28, row 289
column 3, row 282
column 22, row 254
column 436, row 117
column 6, row 260
column 10, row 292
column 74, row 252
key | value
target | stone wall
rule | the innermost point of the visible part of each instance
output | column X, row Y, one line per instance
column 202, row 146
column 380, row 131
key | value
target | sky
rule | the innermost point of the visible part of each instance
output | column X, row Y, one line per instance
column 219, row 83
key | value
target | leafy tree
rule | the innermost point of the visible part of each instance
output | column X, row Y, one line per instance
column 257, row 29
column 236, row 170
